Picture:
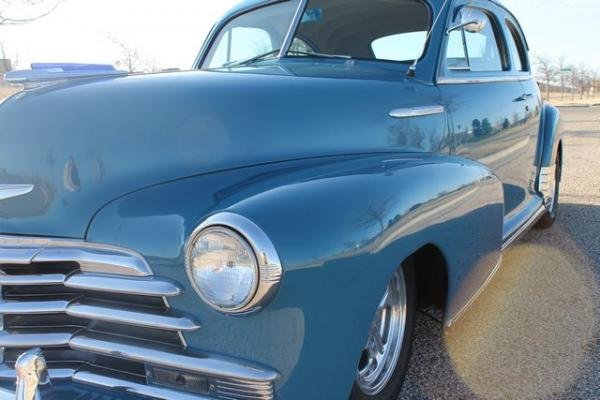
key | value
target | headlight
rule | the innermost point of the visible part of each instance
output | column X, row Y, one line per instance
column 232, row 264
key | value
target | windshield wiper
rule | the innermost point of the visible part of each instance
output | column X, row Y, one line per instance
column 320, row 55
column 260, row 57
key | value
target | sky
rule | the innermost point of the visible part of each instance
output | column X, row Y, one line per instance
column 169, row 33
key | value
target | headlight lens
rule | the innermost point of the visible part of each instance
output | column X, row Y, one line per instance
column 223, row 269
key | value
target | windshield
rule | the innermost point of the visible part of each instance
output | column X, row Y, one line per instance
column 257, row 34
column 387, row 30
column 391, row 30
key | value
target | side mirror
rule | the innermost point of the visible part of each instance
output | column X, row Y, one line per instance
column 474, row 26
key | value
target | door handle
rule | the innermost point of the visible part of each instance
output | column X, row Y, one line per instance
column 524, row 97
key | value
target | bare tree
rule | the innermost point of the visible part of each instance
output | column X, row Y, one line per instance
column 547, row 72
column 130, row 56
column 6, row 6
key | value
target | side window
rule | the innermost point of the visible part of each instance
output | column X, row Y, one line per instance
column 481, row 49
column 517, row 48
column 240, row 43
column 399, row 47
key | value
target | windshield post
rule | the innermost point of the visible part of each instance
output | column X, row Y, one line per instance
column 289, row 38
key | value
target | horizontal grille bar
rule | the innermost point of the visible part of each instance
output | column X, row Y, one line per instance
column 131, row 317
column 32, row 280
column 100, row 313
column 207, row 365
column 123, row 285
column 33, row 307
column 97, row 282
column 26, row 340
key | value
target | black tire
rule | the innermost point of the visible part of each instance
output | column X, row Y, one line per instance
column 392, row 390
column 550, row 217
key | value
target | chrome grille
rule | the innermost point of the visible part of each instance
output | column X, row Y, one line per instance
column 103, row 319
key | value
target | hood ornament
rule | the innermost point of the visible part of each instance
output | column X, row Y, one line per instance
column 12, row 191
column 31, row 373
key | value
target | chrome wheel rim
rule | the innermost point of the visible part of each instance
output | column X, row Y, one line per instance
column 386, row 337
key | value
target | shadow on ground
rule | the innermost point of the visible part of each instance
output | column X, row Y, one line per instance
column 533, row 334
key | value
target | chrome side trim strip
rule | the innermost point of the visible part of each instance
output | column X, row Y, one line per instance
column 131, row 317
column 132, row 388
column 123, row 285
column 289, row 37
column 524, row 228
column 475, row 296
column 12, row 191
column 208, row 365
column 416, row 111
column 481, row 79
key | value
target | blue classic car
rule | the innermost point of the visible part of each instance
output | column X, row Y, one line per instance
column 267, row 225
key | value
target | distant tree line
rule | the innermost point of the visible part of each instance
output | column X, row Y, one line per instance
column 570, row 81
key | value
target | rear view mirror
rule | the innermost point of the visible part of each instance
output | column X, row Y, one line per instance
column 474, row 26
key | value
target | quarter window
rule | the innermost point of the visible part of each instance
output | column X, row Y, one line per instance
column 517, row 49
column 474, row 51
column 255, row 33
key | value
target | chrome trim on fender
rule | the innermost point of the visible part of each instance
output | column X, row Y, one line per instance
column 524, row 228
column 547, row 184
column 12, row 191
column 412, row 112
column 476, row 295
column 270, row 271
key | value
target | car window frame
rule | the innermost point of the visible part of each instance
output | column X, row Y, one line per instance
column 521, row 44
column 496, row 16
column 222, row 24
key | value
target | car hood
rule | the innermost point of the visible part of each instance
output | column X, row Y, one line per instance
column 87, row 142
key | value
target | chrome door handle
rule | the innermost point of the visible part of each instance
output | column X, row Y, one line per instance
column 411, row 112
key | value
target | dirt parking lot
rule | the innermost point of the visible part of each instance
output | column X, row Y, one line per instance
column 535, row 333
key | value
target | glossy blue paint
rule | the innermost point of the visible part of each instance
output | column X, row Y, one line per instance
column 341, row 227
column 99, row 139
column 307, row 150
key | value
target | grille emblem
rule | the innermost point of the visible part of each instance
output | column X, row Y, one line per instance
column 12, row 191
column 31, row 372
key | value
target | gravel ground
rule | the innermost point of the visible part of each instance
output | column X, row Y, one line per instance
column 535, row 332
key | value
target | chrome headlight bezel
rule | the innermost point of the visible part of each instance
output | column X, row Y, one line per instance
column 269, row 270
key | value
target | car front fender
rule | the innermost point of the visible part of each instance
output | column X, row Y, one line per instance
column 341, row 227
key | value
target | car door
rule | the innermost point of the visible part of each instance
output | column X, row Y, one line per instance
column 488, row 109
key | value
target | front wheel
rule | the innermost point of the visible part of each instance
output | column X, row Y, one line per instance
column 384, row 360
